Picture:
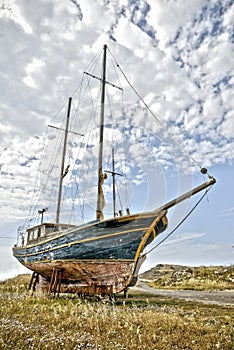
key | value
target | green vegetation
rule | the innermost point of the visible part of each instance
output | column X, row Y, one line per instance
column 194, row 278
column 68, row 322
column 16, row 284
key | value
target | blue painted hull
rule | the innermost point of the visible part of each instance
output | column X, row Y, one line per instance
column 98, row 248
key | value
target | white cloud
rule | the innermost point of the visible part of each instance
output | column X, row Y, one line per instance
column 227, row 127
column 177, row 54
column 10, row 267
column 228, row 17
column 167, row 17
column 11, row 10
column 219, row 60
column 132, row 37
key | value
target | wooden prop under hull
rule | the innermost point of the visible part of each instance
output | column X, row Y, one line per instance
column 87, row 277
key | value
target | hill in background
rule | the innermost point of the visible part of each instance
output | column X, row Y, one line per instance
column 184, row 277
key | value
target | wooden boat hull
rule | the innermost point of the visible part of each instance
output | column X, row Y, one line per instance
column 100, row 257
column 87, row 277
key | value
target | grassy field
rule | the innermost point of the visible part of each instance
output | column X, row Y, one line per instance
column 140, row 322
column 193, row 278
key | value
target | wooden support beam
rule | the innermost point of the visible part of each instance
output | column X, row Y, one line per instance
column 55, row 281
column 33, row 282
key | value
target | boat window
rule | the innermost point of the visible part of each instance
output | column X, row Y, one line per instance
column 29, row 236
column 51, row 229
column 34, row 234
column 42, row 231
column 62, row 228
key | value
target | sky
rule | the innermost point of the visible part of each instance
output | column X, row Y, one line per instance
column 178, row 55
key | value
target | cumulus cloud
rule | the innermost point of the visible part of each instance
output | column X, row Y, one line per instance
column 177, row 54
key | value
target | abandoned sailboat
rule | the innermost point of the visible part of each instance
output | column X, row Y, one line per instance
column 99, row 257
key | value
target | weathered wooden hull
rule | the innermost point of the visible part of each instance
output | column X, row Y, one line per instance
column 102, row 256
column 88, row 277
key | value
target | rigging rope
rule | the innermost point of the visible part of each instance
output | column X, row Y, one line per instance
column 91, row 134
column 154, row 116
column 35, row 202
column 180, row 223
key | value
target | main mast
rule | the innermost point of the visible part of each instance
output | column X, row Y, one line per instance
column 63, row 161
column 101, row 176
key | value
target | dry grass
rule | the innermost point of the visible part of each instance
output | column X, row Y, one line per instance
column 42, row 322
column 193, row 278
